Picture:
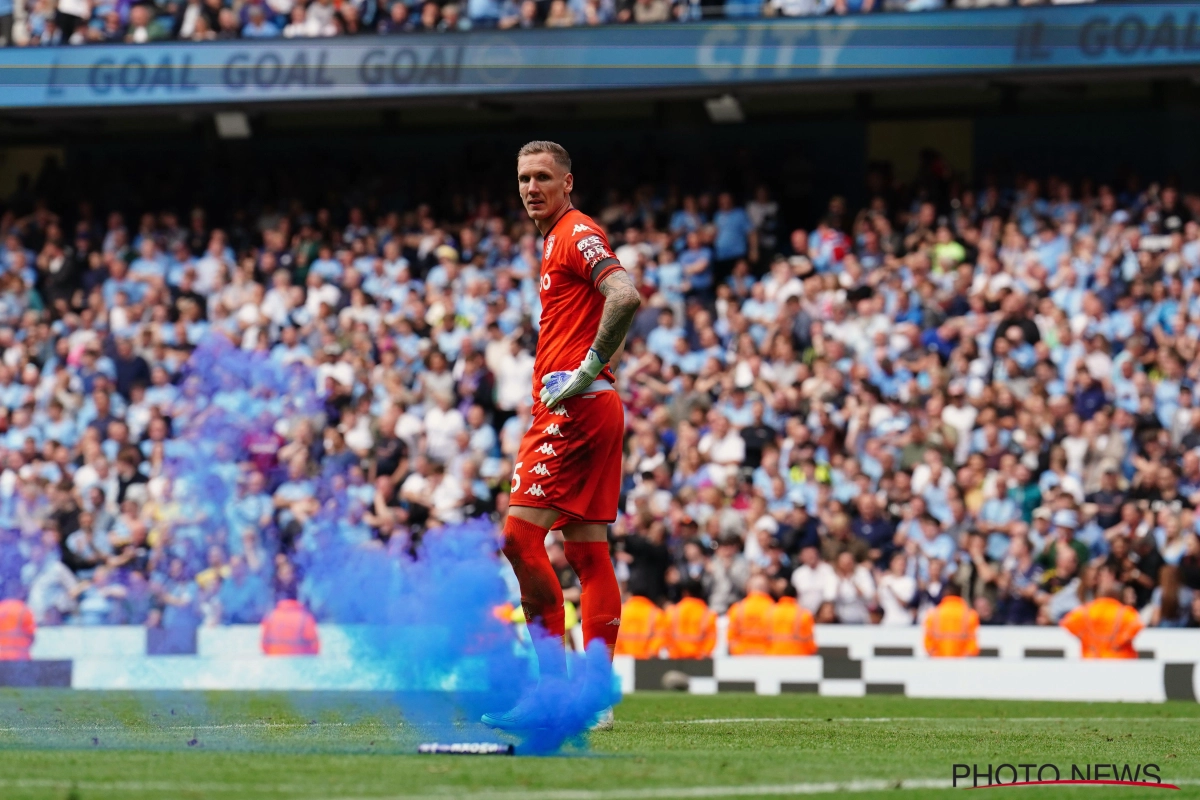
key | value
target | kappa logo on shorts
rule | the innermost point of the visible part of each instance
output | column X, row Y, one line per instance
column 547, row 449
column 560, row 411
column 554, row 430
column 580, row 227
column 536, row 491
column 540, row 469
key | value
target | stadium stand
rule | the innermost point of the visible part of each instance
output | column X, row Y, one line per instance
column 987, row 385
column 73, row 22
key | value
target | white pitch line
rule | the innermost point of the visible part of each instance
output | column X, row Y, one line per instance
column 153, row 787
column 442, row 792
column 150, row 727
column 664, row 793
column 722, row 720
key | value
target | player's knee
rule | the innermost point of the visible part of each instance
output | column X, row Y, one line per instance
column 513, row 550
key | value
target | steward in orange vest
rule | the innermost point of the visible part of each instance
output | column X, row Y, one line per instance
column 640, row 634
column 690, row 629
column 1106, row 627
column 16, row 630
column 749, row 631
column 289, row 630
column 950, row 628
column 791, row 627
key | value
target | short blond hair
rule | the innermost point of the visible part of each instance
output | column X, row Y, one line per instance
column 554, row 149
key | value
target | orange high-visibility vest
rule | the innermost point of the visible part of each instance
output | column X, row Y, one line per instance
column 750, row 625
column 16, row 630
column 791, row 629
column 289, row 630
column 950, row 629
column 1106, row 628
column 690, row 629
column 640, row 634
column 507, row 612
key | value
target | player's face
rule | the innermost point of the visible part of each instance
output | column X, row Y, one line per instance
column 544, row 184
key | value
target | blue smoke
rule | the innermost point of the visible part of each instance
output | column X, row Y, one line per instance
column 423, row 607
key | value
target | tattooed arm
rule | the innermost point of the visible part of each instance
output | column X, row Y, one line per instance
column 621, row 304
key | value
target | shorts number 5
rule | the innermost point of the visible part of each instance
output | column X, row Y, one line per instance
column 516, row 479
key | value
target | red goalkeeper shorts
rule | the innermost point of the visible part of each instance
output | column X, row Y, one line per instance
column 570, row 459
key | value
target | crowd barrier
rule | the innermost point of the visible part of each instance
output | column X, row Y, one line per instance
column 1016, row 663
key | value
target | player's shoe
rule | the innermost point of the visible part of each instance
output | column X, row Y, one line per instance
column 604, row 722
column 529, row 714
column 534, row 710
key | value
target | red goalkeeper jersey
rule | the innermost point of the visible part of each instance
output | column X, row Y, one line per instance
column 575, row 260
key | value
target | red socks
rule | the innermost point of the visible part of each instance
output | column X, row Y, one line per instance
column 541, row 593
column 601, row 599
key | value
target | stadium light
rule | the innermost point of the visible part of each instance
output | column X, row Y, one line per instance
column 232, row 125
column 724, row 109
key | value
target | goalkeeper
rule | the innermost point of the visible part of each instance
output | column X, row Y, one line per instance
column 568, row 469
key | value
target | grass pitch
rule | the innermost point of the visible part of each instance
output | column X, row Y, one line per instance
column 90, row 745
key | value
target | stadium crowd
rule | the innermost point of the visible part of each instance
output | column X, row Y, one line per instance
column 992, row 388
column 59, row 22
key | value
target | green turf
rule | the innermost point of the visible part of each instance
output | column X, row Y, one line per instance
column 85, row 745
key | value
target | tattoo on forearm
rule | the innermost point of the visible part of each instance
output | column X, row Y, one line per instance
column 621, row 302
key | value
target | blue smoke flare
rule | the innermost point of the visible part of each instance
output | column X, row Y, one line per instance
column 422, row 608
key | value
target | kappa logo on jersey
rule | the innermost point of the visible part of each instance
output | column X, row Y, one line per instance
column 547, row 449
column 553, row 429
column 549, row 245
column 535, row 490
column 581, row 227
column 540, row 469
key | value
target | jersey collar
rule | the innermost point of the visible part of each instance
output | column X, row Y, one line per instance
column 557, row 222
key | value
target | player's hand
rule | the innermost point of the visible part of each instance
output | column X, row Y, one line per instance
column 558, row 386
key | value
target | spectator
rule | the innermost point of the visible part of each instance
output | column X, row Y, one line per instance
column 727, row 575
column 99, row 599
column 6, row 22
column 257, row 25
column 897, row 592
column 854, row 594
column 242, row 597
column 649, row 11
column 142, row 28
column 647, row 557
column 735, row 236
column 50, row 587
column 559, row 15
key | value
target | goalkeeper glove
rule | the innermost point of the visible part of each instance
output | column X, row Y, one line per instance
column 558, row 386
